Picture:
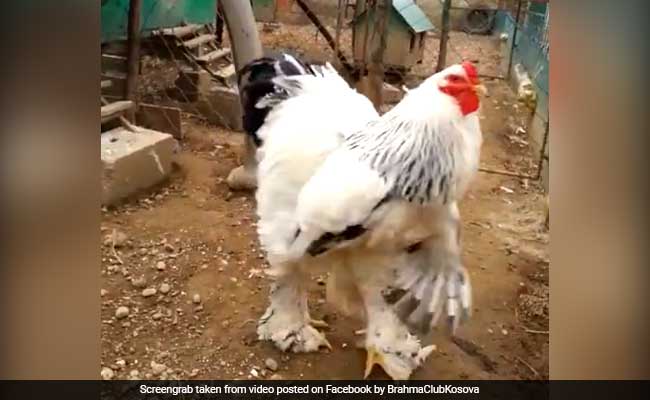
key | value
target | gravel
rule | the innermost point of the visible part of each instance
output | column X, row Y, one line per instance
column 139, row 282
column 156, row 368
column 164, row 288
column 196, row 299
column 148, row 292
column 122, row 312
column 107, row 374
column 160, row 266
column 271, row 364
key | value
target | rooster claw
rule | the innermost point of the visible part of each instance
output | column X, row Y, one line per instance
column 399, row 366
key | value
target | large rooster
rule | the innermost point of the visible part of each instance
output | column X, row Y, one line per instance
column 370, row 199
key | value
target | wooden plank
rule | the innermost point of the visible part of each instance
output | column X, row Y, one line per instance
column 111, row 62
column 226, row 72
column 215, row 55
column 197, row 41
column 179, row 31
column 115, row 110
column 160, row 118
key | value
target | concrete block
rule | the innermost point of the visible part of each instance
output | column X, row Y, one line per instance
column 133, row 161
column 391, row 94
column 160, row 118
column 222, row 107
column 193, row 83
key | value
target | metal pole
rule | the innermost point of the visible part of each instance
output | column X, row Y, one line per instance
column 240, row 21
column 514, row 39
column 444, row 36
column 245, row 47
column 133, row 52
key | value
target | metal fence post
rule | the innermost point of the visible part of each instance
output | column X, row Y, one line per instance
column 514, row 40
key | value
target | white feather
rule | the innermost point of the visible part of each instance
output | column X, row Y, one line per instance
column 298, row 135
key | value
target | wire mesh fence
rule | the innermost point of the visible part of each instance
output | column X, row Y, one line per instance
column 185, row 65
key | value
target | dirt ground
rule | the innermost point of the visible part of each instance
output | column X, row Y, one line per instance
column 185, row 260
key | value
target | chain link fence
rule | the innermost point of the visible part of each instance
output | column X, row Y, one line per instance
column 185, row 65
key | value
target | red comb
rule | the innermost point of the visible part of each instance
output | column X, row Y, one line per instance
column 470, row 70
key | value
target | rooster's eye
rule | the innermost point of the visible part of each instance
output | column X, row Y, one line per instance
column 454, row 78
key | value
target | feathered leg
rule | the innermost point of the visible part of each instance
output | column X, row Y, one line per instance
column 286, row 321
column 388, row 341
column 434, row 278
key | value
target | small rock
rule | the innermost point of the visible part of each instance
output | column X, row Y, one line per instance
column 196, row 299
column 504, row 332
column 103, row 292
column 255, row 373
column 117, row 238
column 134, row 374
column 271, row 364
column 139, row 282
column 107, row 374
column 204, row 266
column 194, row 372
column 156, row 368
column 120, row 363
column 121, row 312
column 157, row 316
column 164, row 288
column 233, row 279
column 276, row 377
column 148, row 292
column 169, row 248
column 490, row 330
column 344, row 345
column 225, row 324
column 160, row 266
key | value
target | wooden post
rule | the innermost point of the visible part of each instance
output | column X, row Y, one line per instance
column 364, row 54
column 444, row 36
column 376, row 66
column 339, row 24
column 219, row 25
column 133, row 49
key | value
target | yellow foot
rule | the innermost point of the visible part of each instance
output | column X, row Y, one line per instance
column 372, row 357
column 397, row 365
